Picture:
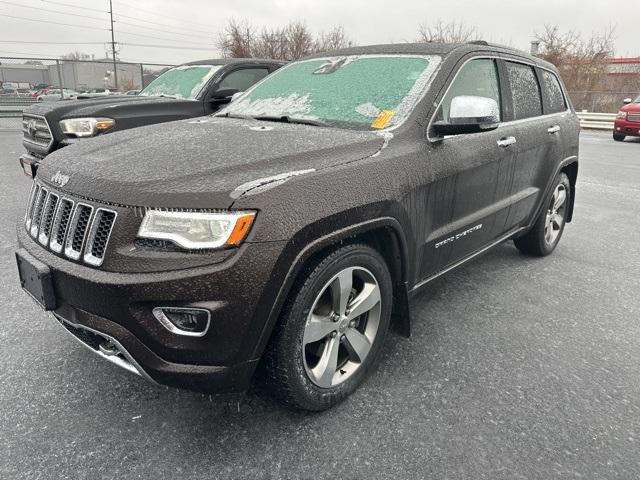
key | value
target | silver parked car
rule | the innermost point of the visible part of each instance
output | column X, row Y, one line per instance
column 56, row 94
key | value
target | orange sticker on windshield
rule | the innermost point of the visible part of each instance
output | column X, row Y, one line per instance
column 383, row 119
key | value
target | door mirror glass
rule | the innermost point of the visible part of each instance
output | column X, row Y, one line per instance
column 627, row 101
column 470, row 114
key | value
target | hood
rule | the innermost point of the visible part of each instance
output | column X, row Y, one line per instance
column 631, row 107
column 201, row 163
column 87, row 107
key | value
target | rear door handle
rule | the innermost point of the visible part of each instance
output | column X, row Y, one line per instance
column 505, row 142
column 554, row 129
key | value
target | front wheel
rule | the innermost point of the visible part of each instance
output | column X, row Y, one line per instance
column 332, row 329
column 543, row 238
column 618, row 138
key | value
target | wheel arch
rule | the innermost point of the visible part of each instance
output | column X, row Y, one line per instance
column 571, row 169
column 384, row 234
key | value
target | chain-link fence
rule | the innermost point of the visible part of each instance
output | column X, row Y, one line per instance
column 601, row 102
column 24, row 81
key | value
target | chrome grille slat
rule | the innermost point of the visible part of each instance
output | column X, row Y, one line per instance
column 32, row 196
column 60, row 224
column 36, row 217
column 48, row 213
column 79, row 230
column 99, row 235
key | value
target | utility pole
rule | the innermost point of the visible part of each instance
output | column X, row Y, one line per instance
column 113, row 46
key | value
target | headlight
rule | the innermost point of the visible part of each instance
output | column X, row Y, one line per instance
column 621, row 114
column 197, row 230
column 86, row 127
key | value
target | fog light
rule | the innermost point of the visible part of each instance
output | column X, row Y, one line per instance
column 191, row 322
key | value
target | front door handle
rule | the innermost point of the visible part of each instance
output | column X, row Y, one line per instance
column 505, row 142
column 554, row 129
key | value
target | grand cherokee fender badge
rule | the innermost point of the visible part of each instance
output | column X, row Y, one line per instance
column 458, row 236
column 60, row 179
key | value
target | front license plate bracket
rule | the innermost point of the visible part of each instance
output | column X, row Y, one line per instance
column 36, row 279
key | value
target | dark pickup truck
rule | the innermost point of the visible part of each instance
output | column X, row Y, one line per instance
column 186, row 91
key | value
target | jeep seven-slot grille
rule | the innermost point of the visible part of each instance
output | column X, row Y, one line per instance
column 76, row 229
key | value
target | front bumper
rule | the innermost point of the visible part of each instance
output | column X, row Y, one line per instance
column 238, row 292
column 116, row 345
column 624, row 127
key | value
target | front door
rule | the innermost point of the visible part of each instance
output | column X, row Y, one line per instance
column 468, row 200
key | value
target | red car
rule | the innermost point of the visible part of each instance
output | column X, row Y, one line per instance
column 627, row 122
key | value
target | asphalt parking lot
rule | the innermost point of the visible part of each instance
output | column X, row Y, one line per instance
column 517, row 368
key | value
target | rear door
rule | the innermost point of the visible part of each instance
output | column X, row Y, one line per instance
column 539, row 121
column 472, row 175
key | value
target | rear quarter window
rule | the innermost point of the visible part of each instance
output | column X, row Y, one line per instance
column 556, row 102
column 525, row 91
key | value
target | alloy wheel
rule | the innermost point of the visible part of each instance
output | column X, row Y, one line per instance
column 341, row 327
column 555, row 214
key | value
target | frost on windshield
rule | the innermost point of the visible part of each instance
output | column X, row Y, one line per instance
column 181, row 82
column 294, row 105
column 345, row 90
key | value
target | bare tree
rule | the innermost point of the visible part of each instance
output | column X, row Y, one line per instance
column 76, row 56
column 581, row 61
column 334, row 39
column 294, row 40
column 583, row 64
column 237, row 39
column 452, row 32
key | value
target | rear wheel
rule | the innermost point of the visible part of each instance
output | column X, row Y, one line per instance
column 332, row 329
column 543, row 238
column 618, row 138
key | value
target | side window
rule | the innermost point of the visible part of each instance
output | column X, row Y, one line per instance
column 525, row 91
column 241, row 80
column 553, row 92
column 477, row 78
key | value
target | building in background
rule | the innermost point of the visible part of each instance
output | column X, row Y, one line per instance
column 97, row 74
column 23, row 73
column 77, row 75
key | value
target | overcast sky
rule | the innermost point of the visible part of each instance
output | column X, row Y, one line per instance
column 196, row 23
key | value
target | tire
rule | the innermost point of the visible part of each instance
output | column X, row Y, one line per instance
column 294, row 363
column 540, row 241
column 618, row 138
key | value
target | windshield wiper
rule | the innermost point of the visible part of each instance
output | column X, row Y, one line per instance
column 288, row 119
column 232, row 115
column 275, row 118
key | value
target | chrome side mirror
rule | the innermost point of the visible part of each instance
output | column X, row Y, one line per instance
column 470, row 114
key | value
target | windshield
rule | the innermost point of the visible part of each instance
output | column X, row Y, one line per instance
column 185, row 81
column 363, row 92
column 637, row 100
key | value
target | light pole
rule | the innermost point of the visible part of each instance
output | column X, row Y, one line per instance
column 113, row 46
